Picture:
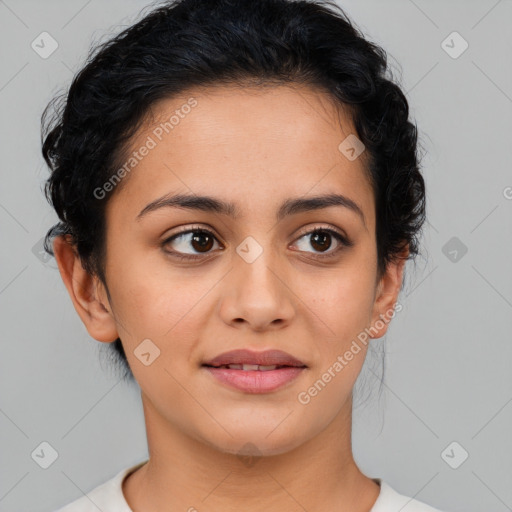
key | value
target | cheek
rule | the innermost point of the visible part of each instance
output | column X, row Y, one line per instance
column 342, row 311
column 151, row 299
column 343, row 300
column 167, row 314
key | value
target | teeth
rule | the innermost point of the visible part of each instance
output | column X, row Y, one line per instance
column 248, row 367
column 270, row 367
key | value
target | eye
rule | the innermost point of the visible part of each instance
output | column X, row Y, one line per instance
column 321, row 239
column 186, row 242
column 191, row 243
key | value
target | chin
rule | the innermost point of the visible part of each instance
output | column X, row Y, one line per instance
column 251, row 443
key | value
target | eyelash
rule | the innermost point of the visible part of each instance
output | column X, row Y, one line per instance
column 343, row 241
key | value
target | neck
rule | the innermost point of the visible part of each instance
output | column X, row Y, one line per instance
column 186, row 474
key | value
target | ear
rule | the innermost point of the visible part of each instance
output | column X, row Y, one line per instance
column 86, row 291
column 387, row 294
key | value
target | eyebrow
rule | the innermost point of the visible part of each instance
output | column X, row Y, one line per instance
column 214, row 205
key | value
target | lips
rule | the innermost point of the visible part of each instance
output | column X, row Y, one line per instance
column 243, row 359
column 255, row 372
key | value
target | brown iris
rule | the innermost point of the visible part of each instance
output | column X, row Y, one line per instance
column 201, row 240
column 321, row 239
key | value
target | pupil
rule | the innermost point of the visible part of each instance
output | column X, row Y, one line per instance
column 318, row 236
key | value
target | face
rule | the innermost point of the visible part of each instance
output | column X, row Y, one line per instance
column 190, row 280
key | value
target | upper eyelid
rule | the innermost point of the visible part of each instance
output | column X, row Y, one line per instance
column 192, row 230
column 210, row 231
column 308, row 231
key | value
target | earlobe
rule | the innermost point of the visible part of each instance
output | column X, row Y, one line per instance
column 85, row 292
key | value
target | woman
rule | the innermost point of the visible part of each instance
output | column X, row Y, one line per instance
column 239, row 191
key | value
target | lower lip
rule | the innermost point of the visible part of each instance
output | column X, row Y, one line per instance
column 256, row 381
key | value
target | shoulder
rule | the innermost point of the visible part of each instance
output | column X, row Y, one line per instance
column 107, row 496
column 390, row 500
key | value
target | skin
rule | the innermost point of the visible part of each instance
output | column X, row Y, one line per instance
column 257, row 148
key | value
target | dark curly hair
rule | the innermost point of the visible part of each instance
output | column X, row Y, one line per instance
column 188, row 43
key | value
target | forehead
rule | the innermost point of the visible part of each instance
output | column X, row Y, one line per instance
column 257, row 142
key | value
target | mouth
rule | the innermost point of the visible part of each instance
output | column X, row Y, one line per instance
column 255, row 372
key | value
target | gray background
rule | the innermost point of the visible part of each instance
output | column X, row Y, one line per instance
column 449, row 352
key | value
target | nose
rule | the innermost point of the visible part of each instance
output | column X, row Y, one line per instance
column 257, row 296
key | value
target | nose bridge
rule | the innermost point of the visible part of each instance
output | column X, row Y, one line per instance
column 255, row 271
column 257, row 292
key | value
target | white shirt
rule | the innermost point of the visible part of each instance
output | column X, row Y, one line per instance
column 109, row 497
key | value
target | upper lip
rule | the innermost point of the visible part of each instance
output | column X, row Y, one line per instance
column 265, row 358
